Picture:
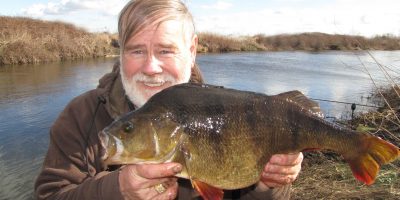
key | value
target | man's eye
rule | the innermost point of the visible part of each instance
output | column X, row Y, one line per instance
column 166, row 52
column 137, row 52
column 128, row 127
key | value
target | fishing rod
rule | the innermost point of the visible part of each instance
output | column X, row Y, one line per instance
column 353, row 105
column 342, row 102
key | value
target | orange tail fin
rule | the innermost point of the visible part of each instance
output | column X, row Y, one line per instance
column 375, row 152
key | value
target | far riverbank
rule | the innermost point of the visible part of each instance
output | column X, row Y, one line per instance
column 25, row 40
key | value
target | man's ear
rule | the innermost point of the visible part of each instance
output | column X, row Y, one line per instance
column 193, row 48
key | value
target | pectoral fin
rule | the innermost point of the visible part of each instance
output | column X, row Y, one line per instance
column 206, row 191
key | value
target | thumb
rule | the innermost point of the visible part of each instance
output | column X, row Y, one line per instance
column 151, row 171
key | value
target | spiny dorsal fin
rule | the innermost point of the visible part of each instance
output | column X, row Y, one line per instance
column 301, row 100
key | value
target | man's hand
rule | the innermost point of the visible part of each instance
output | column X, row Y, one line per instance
column 139, row 181
column 282, row 169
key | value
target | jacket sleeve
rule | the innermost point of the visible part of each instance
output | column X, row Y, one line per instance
column 66, row 174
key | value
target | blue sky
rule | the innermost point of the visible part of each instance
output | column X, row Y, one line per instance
column 355, row 17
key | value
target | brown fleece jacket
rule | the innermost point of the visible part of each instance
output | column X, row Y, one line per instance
column 73, row 168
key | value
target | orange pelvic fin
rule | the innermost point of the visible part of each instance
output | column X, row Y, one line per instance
column 208, row 192
column 375, row 152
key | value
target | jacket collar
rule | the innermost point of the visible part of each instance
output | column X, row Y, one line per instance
column 117, row 103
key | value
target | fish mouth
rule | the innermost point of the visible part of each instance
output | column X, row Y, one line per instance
column 104, row 139
column 112, row 150
column 111, row 146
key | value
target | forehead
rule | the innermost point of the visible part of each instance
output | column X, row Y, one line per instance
column 172, row 30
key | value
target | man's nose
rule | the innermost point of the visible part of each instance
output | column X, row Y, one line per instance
column 152, row 66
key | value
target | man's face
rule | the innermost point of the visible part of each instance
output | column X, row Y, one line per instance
column 156, row 58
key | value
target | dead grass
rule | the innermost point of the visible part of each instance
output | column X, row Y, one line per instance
column 212, row 42
column 215, row 43
column 326, row 176
column 25, row 40
column 321, row 41
column 383, row 122
column 334, row 180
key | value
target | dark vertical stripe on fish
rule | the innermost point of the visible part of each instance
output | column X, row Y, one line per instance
column 295, row 119
column 251, row 122
column 250, row 116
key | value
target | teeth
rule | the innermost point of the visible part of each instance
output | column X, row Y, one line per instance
column 158, row 84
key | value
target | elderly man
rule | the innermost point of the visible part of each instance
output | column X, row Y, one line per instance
column 158, row 50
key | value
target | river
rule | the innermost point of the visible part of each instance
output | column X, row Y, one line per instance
column 32, row 96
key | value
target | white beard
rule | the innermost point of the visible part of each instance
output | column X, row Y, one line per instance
column 139, row 97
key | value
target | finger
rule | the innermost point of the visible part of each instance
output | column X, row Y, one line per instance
column 139, row 172
column 284, row 170
column 268, row 184
column 173, row 191
column 268, row 178
column 131, row 176
column 153, row 171
column 271, row 184
column 170, row 193
column 171, row 182
column 135, row 186
column 165, row 181
column 287, row 159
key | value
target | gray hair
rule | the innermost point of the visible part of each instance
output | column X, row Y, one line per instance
column 138, row 14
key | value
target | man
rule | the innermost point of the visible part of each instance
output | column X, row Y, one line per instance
column 158, row 50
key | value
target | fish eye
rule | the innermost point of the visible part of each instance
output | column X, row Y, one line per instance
column 128, row 127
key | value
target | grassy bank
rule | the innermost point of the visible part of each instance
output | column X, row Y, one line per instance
column 327, row 176
column 210, row 42
column 215, row 43
column 333, row 180
column 24, row 40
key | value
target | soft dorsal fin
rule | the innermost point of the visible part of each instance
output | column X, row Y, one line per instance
column 301, row 100
column 207, row 192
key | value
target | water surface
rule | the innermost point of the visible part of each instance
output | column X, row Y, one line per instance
column 32, row 96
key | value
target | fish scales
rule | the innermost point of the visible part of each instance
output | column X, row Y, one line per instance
column 224, row 137
column 236, row 154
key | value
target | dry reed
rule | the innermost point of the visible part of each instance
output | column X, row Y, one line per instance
column 326, row 176
column 25, row 40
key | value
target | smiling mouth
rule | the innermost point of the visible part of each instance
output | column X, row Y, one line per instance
column 153, row 84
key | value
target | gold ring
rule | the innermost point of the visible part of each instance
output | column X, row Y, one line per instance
column 160, row 188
